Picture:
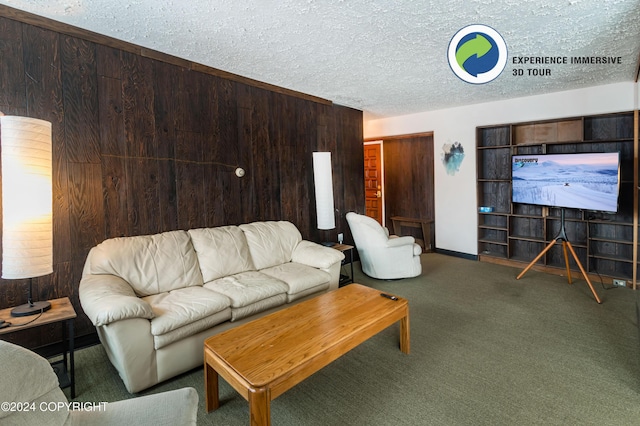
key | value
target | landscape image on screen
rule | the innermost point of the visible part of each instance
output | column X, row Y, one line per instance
column 582, row 181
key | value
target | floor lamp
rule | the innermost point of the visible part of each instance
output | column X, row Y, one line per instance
column 323, row 181
column 27, row 229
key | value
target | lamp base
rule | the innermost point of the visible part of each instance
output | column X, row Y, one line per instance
column 30, row 309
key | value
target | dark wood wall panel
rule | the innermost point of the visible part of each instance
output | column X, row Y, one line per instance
column 409, row 183
column 79, row 87
column 86, row 213
column 12, row 86
column 138, row 101
column 114, row 193
column 143, row 146
column 349, row 186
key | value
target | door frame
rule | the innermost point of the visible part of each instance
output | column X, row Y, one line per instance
column 382, row 199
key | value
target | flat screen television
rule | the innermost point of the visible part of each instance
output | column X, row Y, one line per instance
column 587, row 181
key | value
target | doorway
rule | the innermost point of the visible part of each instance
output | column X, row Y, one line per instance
column 406, row 177
column 374, row 181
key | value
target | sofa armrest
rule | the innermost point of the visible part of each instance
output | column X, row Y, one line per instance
column 315, row 255
column 400, row 241
column 108, row 298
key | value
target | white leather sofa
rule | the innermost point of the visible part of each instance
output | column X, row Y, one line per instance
column 384, row 256
column 154, row 299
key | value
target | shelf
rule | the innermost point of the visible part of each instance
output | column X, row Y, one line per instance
column 494, row 250
column 495, row 255
column 574, row 244
column 492, row 241
column 527, row 238
column 494, row 147
column 613, row 258
column 608, row 140
column 613, row 241
column 496, row 228
column 527, row 216
column 566, row 219
column 608, row 222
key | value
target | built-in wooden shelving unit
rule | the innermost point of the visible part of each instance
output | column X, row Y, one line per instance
column 606, row 243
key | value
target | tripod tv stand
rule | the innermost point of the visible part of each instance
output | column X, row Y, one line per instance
column 562, row 237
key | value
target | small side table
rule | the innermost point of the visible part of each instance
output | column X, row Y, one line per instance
column 61, row 311
column 348, row 251
column 425, row 225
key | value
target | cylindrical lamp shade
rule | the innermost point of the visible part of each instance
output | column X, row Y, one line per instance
column 323, row 180
column 27, row 228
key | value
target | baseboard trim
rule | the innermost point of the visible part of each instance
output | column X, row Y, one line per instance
column 457, row 254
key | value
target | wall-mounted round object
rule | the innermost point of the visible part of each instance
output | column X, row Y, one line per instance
column 239, row 172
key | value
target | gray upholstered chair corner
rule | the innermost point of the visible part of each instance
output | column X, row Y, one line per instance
column 30, row 395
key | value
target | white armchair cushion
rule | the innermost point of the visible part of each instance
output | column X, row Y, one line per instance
column 271, row 243
column 151, row 264
column 221, row 251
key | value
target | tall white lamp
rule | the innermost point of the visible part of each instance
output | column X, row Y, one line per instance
column 323, row 180
column 27, row 228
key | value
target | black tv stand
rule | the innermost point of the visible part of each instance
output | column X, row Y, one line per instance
column 562, row 237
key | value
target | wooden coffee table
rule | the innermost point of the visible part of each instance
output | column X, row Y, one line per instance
column 264, row 358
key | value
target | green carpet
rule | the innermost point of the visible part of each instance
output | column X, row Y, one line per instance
column 486, row 349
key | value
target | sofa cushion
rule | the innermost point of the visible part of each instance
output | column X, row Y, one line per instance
column 316, row 255
column 250, row 292
column 151, row 264
column 186, row 311
column 301, row 279
column 221, row 251
column 271, row 243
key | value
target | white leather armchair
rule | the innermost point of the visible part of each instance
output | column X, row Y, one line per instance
column 383, row 256
column 30, row 395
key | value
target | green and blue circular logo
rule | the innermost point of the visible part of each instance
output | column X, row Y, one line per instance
column 477, row 54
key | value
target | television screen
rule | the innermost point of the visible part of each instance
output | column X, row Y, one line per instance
column 581, row 181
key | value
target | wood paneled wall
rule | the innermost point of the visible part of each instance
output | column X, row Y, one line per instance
column 143, row 146
column 408, row 177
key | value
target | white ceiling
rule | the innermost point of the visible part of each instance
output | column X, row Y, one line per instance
column 385, row 57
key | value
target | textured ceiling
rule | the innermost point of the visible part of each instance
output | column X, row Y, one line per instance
column 385, row 57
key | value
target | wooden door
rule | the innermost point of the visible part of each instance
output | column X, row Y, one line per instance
column 373, row 185
column 409, row 177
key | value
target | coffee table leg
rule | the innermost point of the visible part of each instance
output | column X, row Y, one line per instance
column 404, row 334
column 211, row 388
column 260, row 407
